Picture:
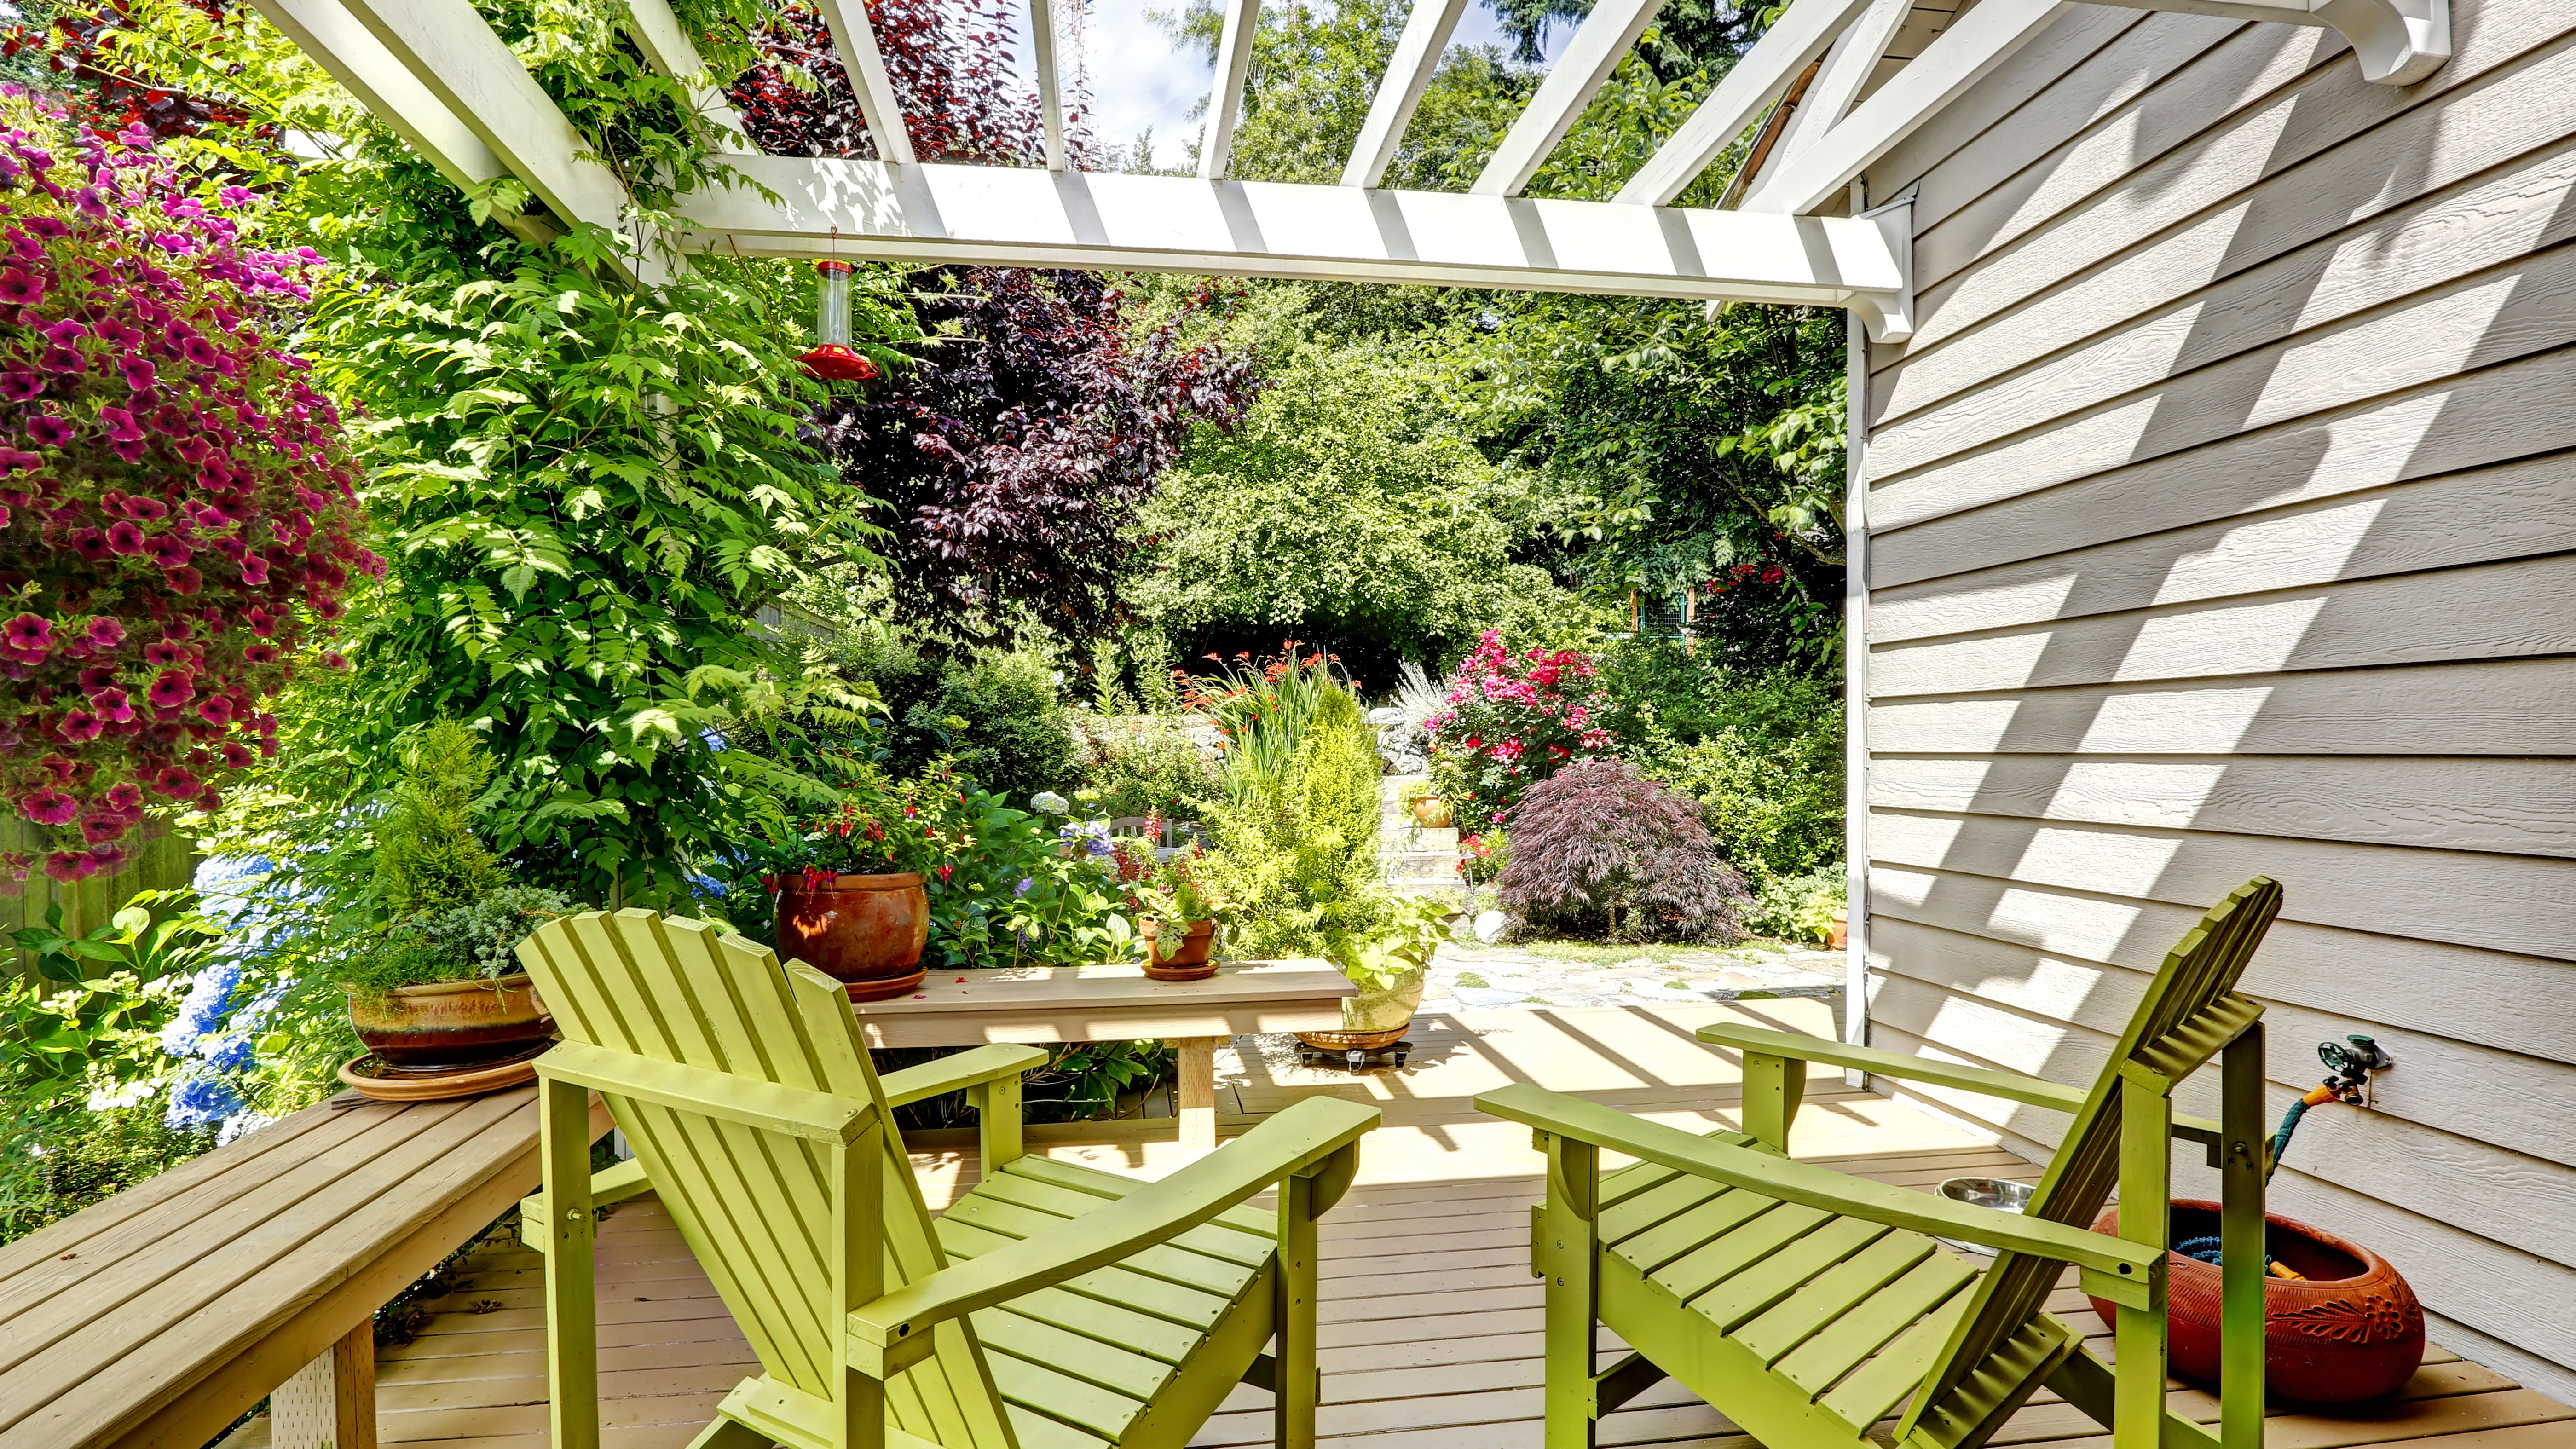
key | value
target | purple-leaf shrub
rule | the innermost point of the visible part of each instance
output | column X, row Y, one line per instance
column 176, row 503
column 1598, row 849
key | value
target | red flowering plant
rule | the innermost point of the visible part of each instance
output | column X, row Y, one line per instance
column 176, row 502
column 866, row 825
column 1509, row 721
column 1173, row 889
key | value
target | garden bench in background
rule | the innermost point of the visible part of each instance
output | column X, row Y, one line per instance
column 163, row 1314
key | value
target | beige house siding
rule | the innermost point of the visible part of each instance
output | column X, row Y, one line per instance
column 2222, row 522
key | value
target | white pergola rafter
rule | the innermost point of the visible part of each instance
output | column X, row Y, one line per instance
column 436, row 72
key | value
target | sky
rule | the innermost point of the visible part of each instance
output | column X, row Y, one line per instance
column 1138, row 79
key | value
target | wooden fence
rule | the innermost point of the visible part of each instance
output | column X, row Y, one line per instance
column 159, row 858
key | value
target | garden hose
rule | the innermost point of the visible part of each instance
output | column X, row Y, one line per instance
column 2290, row 1123
column 2206, row 1250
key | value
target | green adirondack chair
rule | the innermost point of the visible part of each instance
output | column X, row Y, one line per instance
column 1807, row 1305
column 1053, row 1308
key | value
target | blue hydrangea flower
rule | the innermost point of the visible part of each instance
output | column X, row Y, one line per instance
column 209, row 1003
column 202, row 1101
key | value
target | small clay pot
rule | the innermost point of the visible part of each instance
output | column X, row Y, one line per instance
column 1190, row 961
column 1838, row 935
column 1431, row 813
column 2348, row 1330
column 461, row 1025
column 864, row 931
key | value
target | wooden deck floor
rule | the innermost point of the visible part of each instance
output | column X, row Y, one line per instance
column 1431, row 1319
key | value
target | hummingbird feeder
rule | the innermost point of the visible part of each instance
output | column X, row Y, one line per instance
column 832, row 359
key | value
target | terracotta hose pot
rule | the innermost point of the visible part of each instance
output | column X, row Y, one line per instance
column 2348, row 1330
column 864, row 931
column 1190, row 962
column 452, row 1025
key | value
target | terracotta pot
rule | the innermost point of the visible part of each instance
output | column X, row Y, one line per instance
column 864, row 931
column 1189, row 961
column 1838, row 936
column 2348, row 1331
column 459, row 1025
column 1431, row 813
column 1372, row 1020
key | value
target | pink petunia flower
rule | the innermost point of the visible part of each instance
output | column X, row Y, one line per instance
column 171, row 690
column 125, row 795
column 48, row 806
column 28, row 634
column 20, row 288
column 113, row 706
column 104, row 632
column 185, row 582
column 48, row 431
column 80, row 726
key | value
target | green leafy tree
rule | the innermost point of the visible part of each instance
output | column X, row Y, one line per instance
column 1348, row 506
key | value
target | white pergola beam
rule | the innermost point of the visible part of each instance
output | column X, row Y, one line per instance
column 2398, row 42
column 1596, row 49
column 360, row 62
column 856, row 41
column 1963, row 55
column 1050, row 85
column 1760, row 78
column 448, row 49
column 1848, row 66
column 1021, row 216
column 668, row 49
column 1399, row 91
column 1225, row 98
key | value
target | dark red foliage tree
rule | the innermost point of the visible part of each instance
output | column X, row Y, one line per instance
column 1015, row 452
column 950, row 61
column 1598, row 849
column 79, row 63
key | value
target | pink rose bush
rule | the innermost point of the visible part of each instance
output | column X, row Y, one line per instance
column 176, row 502
column 1510, row 721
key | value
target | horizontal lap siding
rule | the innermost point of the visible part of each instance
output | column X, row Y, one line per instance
column 2223, row 518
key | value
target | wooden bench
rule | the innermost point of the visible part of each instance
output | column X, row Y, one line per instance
column 1117, row 1002
column 163, row 1314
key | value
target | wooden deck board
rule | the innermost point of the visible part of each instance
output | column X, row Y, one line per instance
column 1430, row 1321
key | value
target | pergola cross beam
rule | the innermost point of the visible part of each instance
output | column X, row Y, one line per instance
column 447, row 84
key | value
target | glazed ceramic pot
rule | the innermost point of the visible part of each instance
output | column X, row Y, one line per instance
column 1373, row 1020
column 1431, row 813
column 452, row 1025
column 1190, row 960
column 2347, row 1330
column 864, row 931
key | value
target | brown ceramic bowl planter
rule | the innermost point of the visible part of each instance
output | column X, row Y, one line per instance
column 1431, row 813
column 864, row 931
column 452, row 1026
column 1192, row 960
column 2347, row 1331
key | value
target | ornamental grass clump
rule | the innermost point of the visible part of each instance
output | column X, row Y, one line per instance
column 176, row 503
column 1599, row 849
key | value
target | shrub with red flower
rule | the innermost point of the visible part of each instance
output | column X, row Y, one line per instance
column 175, row 498
column 1509, row 721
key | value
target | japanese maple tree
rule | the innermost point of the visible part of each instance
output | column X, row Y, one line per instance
column 1034, row 419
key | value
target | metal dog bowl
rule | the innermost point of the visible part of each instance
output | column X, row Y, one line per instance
column 1985, row 1192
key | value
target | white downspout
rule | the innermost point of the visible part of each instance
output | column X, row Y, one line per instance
column 1856, row 676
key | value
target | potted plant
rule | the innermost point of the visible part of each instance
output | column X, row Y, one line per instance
column 852, row 900
column 1388, row 968
column 1178, row 908
column 440, row 993
column 1429, row 810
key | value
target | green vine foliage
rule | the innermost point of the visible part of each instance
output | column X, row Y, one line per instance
column 588, row 491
